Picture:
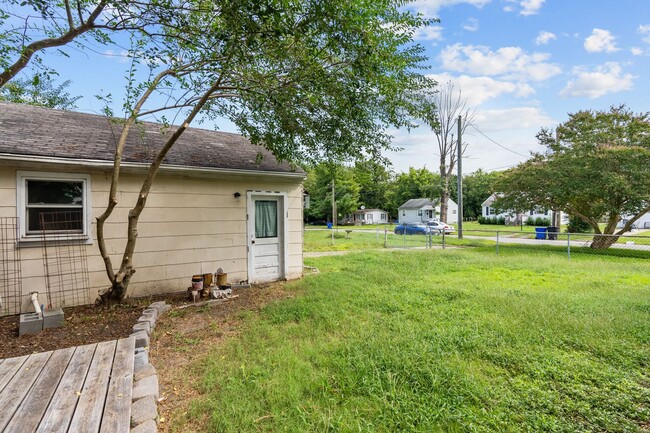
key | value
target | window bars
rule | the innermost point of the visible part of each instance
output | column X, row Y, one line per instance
column 64, row 259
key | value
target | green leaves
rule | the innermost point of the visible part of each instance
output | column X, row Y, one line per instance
column 598, row 169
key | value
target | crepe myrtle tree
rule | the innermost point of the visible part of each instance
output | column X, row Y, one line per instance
column 596, row 168
column 307, row 80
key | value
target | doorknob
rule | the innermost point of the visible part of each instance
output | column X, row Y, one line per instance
column 253, row 241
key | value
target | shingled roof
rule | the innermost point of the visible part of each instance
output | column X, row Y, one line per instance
column 44, row 132
column 417, row 203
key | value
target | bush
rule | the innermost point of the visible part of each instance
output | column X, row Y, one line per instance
column 481, row 220
column 501, row 221
column 542, row 222
column 530, row 221
column 578, row 225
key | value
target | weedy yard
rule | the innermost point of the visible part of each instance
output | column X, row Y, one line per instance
column 432, row 340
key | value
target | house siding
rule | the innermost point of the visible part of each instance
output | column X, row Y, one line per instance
column 190, row 225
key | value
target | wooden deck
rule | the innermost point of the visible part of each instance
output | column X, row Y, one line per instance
column 78, row 389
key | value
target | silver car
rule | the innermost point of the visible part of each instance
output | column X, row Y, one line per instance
column 440, row 227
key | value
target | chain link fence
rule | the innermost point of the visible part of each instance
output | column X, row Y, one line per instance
column 635, row 244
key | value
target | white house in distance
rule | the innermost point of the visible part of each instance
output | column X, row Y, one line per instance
column 218, row 201
column 368, row 216
column 488, row 211
column 642, row 223
column 423, row 209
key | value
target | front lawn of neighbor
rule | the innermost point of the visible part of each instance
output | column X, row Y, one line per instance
column 435, row 340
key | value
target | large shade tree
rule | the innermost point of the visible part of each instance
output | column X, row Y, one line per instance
column 308, row 80
column 596, row 168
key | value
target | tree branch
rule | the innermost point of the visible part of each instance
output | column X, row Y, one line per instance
column 32, row 48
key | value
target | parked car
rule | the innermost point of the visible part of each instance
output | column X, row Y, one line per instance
column 412, row 229
column 438, row 227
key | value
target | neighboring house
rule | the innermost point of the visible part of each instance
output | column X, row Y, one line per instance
column 489, row 211
column 368, row 216
column 423, row 209
column 642, row 223
column 217, row 202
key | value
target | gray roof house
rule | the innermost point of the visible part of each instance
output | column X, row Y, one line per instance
column 218, row 201
column 424, row 209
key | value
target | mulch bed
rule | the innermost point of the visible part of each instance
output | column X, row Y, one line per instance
column 83, row 325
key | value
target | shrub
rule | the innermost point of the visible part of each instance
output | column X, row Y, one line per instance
column 481, row 220
column 578, row 225
column 501, row 221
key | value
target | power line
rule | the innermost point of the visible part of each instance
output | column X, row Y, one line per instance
column 500, row 145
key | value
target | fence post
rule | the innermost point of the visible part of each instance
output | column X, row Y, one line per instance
column 443, row 239
column 568, row 245
column 385, row 236
column 497, row 242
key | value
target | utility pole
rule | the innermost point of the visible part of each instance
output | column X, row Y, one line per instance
column 460, row 179
column 333, row 205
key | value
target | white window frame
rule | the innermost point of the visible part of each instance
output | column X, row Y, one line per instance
column 21, row 204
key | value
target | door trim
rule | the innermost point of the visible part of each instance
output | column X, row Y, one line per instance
column 283, row 199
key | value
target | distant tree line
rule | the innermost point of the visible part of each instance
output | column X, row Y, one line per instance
column 374, row 186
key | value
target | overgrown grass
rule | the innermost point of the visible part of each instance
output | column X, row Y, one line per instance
column 440, row 340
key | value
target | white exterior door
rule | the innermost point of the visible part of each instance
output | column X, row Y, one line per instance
column 267, row 236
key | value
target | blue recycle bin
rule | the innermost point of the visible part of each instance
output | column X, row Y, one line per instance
column 540, row 232
column 329, row 225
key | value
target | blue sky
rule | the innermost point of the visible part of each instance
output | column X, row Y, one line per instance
column 522, row 64
column 525, row 64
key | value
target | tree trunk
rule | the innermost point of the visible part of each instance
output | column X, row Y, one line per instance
column 444, row 195
column 116, row 294
column 602, row 242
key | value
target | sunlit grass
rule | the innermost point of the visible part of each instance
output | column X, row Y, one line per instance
column 440, row 340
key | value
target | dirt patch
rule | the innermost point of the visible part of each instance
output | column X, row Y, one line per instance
column 186, row 336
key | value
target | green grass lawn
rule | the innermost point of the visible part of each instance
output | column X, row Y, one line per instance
column 439, row 340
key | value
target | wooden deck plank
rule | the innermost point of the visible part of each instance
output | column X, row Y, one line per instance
column 15, row 391
column 9, row 368
column 117, row 410
column 88, row 414
column 39, row 396
column 60, row 411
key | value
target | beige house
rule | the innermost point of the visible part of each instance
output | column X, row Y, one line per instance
column 217, row 202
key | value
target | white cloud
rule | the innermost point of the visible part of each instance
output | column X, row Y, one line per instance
column 430, row 33
column 471, row 25
column 636, row 51
column 531, row 7
column 604, row 79
column 430, row 8
column 513, row 118
column 513, row 128
column 644, row 30
column 122, row 56
column 600, row 41
column 528, row 7
column 477, row 90
column 507, row 62
column 544, row 38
